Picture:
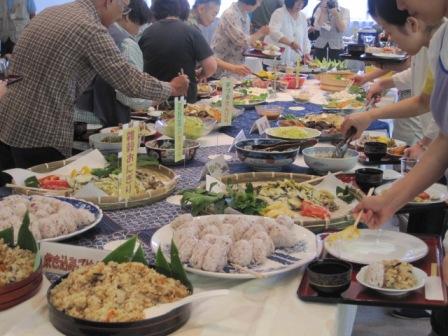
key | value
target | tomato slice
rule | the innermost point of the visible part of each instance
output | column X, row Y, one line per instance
column 53, row 182
column 309, row 209
column 424, row 196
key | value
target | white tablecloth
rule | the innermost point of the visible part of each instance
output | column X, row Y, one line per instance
column 261, row 307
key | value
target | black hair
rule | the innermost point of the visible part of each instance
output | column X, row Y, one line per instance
column 290, row 3
column 388, row 11
column 140, row 13
column 249, row 2
column 161, row 9
column 204, row 2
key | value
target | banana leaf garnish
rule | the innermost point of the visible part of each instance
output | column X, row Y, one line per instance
column 123, row 253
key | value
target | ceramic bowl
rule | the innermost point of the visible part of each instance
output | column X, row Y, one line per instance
column 195, row 128
column 261, row 160
column 367, row 178
column 272, row 112
column 375, row 151
column 166, row 155
column 329, row 276
column 320, row 160
column 100, row 141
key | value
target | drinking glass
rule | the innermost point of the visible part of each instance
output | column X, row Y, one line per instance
column 407, row 164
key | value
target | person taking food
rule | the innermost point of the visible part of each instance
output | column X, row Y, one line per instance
column 58, row 55
column 171, row 46
column 289, row 28
column 202, row 16
column 232, row 36
column 378, row 209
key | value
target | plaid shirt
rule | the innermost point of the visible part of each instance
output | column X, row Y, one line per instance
column 58, row 55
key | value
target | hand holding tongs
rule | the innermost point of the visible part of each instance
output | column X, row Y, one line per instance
column 341, row 147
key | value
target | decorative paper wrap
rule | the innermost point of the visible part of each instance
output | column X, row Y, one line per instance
column 179, row 122
column 227, row 102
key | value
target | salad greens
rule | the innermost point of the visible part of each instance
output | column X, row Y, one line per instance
column 246, row 200
column 347, row 194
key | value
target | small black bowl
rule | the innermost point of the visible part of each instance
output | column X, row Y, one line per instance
column 356, row 50
column 329, row 277
column 375, row 151
column 367, row 178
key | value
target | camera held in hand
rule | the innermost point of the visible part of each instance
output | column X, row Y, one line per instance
column 332, row 4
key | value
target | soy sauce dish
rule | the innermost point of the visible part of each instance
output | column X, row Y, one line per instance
column 67, row 299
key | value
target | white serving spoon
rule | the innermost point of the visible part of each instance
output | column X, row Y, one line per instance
column 165, row 308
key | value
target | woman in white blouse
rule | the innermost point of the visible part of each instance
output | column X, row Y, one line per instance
column 289, row 29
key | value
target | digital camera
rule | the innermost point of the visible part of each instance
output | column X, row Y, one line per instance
column 332, row 4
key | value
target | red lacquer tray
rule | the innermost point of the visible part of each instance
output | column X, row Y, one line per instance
column 359, row 295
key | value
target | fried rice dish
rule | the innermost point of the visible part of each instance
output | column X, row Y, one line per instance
column 16, row 264
column 114, row 292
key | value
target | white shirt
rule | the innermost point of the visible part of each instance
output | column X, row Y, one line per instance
column 414, row 78
column 283, row 24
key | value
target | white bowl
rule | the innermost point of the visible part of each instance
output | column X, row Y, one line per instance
column 97, row 141
column 418, row 273
column 329, row 164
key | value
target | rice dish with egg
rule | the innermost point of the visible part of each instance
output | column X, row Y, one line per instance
column 16, row 264
column 392, row 274
column 114, row 292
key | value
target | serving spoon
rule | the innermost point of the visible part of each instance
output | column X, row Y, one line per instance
column 164, row 308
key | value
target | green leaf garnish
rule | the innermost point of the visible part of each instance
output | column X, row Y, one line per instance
column 8, row 236
column 123, row 253
column 177, row 269
column 162, row 265
column 26, row 239
column 139, row 256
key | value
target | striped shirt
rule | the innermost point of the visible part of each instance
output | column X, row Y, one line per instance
column 58, row 55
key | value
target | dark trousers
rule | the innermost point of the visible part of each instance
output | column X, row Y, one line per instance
column 7, row 47
column 327, row 52
column 14, row 157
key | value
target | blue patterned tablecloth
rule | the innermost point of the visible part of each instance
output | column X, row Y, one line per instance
column 247, row 119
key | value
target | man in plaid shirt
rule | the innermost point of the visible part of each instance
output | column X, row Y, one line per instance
column 58, row 55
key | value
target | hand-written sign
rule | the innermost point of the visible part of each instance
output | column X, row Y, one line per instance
column 227, row 101
column 130, row 145
column 179, row 122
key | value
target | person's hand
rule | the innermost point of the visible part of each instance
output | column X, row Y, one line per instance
column 334, row 11
column 359, row 80
column 445, row 269
column 376, row 210
column 241, row 70
column 414, row 152
column 264, row 30
column 307, row 58
column 2, row 88
column 360, row 121
column 179, row 85
column 295, row 46
column 375, row 91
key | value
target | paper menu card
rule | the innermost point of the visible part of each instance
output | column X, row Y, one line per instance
column 227, row 102
column 179, row 124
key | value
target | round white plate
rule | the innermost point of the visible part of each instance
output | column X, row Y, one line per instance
column 296, row 108
column 281, row 261
column 357, row 143
column 390, row 174
column 94, row 127
column 113, row 130
column 438, row 193
column 271, row 53
column 378, row 245
column 418, row 273
column 80, row 204
column 389, row 56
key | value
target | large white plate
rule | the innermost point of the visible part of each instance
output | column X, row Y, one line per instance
column 281, row 261
column 418, row 273
column 389, row 55
column 378, row 245
column 271, row 53
column 311, row 133
column 438, row 193
column 77, row 203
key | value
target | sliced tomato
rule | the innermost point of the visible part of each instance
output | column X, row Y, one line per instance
column 53, row 182
column 309, row 209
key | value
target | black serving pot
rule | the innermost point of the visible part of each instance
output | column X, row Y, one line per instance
column 367, row 178
column 329, row 276
column 159, row 326
column 375, row 151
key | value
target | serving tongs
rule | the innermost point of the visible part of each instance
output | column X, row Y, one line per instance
column 282, row 145
column 341, row 147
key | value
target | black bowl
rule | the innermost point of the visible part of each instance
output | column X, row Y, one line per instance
column 158, row 326
column 375, row 151
column 367, row 178
column 329, row 276
column 356, row 50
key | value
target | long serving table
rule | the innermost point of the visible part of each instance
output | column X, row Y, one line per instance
column 256, row 307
